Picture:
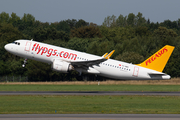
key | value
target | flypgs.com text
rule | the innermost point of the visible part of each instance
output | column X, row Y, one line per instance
column 53, row 52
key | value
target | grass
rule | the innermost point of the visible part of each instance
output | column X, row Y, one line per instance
column 53, row 87
column 89, row 104
column 41, row 104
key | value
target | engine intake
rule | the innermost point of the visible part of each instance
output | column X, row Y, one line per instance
column 61, row 66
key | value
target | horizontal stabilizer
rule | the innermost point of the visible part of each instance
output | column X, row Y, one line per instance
column 156, row 73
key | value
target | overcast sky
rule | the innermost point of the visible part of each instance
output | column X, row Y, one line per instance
column 92, row 10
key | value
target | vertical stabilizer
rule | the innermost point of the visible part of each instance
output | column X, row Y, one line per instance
column 159, row 59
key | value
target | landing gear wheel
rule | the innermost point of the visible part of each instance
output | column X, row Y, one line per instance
column 25, row 61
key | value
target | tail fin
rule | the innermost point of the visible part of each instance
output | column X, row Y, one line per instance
column 159, row 59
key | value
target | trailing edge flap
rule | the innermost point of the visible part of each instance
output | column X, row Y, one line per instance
column 89, row 63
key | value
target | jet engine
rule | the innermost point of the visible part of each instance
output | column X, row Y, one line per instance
column 61, row 66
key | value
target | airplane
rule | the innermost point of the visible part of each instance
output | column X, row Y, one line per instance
column 64, row 60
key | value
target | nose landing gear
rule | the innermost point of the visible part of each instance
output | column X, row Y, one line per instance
column 25, row 61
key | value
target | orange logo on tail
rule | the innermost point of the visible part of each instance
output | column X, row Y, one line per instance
column 153, row 58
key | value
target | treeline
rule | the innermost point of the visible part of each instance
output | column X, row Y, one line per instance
column 133, row 37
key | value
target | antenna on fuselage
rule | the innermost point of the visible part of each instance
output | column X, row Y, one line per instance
column 31, row 39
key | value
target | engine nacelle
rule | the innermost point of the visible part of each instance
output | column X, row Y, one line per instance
column 61, row 66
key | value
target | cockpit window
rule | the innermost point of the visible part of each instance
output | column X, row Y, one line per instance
column 17, row 43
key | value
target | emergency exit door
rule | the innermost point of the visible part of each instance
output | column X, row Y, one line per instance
column 136, row 71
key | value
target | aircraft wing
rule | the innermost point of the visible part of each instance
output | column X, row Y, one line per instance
column 89, row 63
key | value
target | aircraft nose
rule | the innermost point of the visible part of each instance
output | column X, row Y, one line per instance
column 7, row 47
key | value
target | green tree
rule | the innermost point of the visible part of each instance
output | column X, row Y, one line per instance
column 4, row 17
column 71, row 23
column 100, row 46
column 142, row 31
column 170, row 25
column 163, row 33
column 9, row 33
column 130, row 57
column 81, row 23
column 107, row 22
column 38, row 71
column 110, row 21
column 25, row 24
column 140, row 19
column 28, row 18
column 148, row 21
column 173, row 65
column 40, row 34
column 14, row 18
column 63, row 36
column 152, row 26
column 57, row 42
column 79, row 44
column 63, row 26
column 131, row 20
column 90, row 31
column 15, row 67
column 3, row 68
column 121, row 21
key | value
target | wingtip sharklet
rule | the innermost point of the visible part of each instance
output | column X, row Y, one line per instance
column 109, row 55
column 104, row 55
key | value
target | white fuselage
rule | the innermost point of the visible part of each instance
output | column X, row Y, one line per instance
column 110, row 68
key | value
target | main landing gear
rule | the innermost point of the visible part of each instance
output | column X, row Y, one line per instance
column 25, row 61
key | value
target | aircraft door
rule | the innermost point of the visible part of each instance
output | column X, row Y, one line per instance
column 136, row 71
column 28, row 48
